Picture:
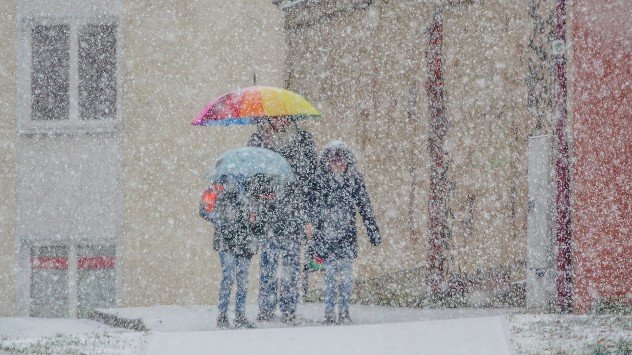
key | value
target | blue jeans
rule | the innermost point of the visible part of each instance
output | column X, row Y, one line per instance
column 271, row 255
column 341, row 269
column 233, row 267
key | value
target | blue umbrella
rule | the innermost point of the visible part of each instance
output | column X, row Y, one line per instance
column 247, row 162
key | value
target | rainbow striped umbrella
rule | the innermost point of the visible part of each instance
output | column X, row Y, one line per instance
column 249, row 105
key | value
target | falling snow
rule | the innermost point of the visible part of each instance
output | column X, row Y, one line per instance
column 458, row 167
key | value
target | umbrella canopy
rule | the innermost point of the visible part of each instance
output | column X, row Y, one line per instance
column 247, row 162
column 251, row 104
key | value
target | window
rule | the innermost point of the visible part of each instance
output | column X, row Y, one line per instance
column 96, row 278
column 97, row 72
column 50, row 81
column 71, row 280
column 49, row 281
column 71, row 75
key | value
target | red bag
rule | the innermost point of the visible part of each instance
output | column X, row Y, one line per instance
column 207, row 203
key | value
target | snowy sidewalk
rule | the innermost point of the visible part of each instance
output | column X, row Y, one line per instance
column 455, row 336
column 202, row 317
column 376, row 330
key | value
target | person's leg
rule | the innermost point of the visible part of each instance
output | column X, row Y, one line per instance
column 330, row 290
column 227, row 261
column 267, row 281
column 242, row 266
column 304, row 282
column 307, row 256
column 289, row 279
column 346, row 288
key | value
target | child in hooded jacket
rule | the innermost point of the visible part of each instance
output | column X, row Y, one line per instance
column 238, row 228
column 339, row 190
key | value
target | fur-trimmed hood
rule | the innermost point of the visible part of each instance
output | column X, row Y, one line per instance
column 334, row 148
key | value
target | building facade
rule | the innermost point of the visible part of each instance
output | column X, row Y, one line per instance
column 443, row 100
column 434, row 97
column 101, row 169
column 602, row 134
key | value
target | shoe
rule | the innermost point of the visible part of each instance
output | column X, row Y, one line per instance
column 330, row 319
column 222, row 320
column 343, row 318
column 265, row 316
column 289, row 318
column 242, row 322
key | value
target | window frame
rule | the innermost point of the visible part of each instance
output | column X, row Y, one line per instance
column 74, row 123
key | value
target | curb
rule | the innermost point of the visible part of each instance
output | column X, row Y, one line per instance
column 114, row 320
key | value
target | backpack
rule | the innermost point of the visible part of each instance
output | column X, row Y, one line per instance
column 208, row 200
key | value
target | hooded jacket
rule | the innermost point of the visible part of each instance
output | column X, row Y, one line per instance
column 337, row 196
column 234, row 232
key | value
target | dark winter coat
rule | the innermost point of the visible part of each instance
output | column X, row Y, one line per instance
column 297, row 147
column 287, row 220
column 288, row 215
column 234, row 232
column 337, row 197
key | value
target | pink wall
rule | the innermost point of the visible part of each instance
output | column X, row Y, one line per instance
column 602, row 151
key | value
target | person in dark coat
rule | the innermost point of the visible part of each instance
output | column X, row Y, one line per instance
column 340, row 191
column 237, row 232
column 288, row 221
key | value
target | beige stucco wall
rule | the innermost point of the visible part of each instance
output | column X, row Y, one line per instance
column 393, row 108
column 7, row 157
column 485, row 68
column 367, row 68
column 178, row 56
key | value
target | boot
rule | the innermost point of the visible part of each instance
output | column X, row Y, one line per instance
column 330, row 318
column 222, row 320
column 242, row 322
column 343, row 317
column 265, row 316
column 289, row 318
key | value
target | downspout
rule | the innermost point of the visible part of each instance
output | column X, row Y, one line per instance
column 562, row 168
column 438, row 181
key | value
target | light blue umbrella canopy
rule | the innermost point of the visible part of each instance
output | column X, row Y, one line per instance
column 247, row 162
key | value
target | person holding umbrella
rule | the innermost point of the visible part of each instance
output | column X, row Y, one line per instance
column 235, row 240
column 275, row 112
column 249, row 178
column 290, row 221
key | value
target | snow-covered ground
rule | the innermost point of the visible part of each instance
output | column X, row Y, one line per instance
column 376, row 330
